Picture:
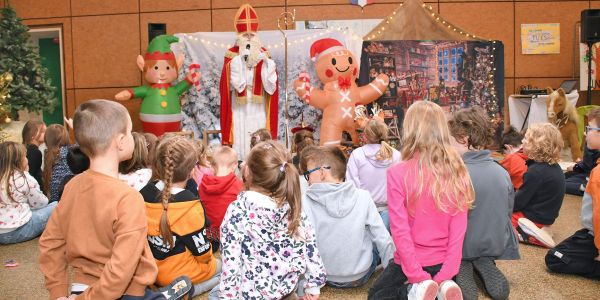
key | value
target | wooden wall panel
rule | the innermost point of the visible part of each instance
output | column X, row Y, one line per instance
column 133, row 106
column 177, row 22
column 218, row 4
column 101, row 7
column 27, row 9
column 267, row 18
column 173, row 5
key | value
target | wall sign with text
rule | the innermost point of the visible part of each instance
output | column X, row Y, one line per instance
column 540, row 38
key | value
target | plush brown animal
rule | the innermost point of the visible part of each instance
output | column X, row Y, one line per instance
column 564, row 115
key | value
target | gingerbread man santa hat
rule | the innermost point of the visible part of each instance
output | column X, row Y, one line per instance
column 325, row 46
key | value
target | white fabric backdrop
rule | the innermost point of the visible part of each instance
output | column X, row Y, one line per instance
column 518, row 106
column 201, row 109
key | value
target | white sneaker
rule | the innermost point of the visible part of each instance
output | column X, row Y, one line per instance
column 449, row 290
column 424, row 290
column 539, row 234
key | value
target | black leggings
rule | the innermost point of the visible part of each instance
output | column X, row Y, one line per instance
column 392, row 285
column 575, row 255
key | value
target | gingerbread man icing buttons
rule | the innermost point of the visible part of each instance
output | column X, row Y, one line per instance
column 337, row 69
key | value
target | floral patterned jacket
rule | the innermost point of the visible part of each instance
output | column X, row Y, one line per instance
column 260, row 259
column 26, row 195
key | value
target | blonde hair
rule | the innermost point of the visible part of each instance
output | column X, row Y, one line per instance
column 544, row 143
column 96, row 123
column 376, row 132
column 11, row 159
column 176, row 157
column 473, row 124
column 426, row 137
column 139, row 158
column 151, row 141
column 56, row 137
column 270, row 170
column 224, row 156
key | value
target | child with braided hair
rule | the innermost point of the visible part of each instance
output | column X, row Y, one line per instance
column 267, row 241
column 176, row 218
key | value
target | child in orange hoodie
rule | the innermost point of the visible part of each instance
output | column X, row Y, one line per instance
column 514, row 160
column 176, row 218
column 219, row 190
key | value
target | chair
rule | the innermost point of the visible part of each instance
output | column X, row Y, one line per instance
column 583, row 111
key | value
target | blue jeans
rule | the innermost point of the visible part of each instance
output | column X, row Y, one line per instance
column 385, row 217
column 32, row 229
column 362, row 281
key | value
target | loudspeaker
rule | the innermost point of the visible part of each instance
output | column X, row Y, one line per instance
column 590, row 26
column 156, row 29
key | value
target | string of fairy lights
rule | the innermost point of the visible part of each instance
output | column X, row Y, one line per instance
column 344, row 31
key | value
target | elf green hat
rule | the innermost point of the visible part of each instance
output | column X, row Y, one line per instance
column 160, row 49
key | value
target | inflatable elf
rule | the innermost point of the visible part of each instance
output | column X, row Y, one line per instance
column 161, row 109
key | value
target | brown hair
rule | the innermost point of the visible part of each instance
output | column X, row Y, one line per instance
column 56, row 137
column 151, row 141
column 331, row 156
column 543, row 143
column 271, row 171
column 472, row 123
column 96, row 123
column 31, row 130
column 302, row 139
column 258, row 136
column 376, row 132
column 176, row 157
column 308, row 153
column 139, row 158
column 594, row 115
column 426, row 136
column 511, row 137
column 224, row 156
column 203, row 154
column 11, row 159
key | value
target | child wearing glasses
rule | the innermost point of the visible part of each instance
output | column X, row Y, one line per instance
column 578, row 254
column 351, row 236
column 368, row 164
column 539, row 199
column 429, row 194
column 267, row 242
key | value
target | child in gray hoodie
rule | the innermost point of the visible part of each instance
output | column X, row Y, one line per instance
column 351, row 236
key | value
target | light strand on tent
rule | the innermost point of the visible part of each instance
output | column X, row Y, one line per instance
column 436, row 17
column 343, row 31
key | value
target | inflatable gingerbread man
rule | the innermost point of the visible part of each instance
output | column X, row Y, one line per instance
column 337, row 68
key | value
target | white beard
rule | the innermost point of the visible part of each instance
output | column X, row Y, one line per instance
column 249, row 55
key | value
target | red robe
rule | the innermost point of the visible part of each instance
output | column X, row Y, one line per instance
column 271, row 101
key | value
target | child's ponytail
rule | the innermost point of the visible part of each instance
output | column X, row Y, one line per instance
column 165, row 230
column 289, row 189
column 376, row 132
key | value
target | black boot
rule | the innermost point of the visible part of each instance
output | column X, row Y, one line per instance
column 466, row 281
column 494, row 281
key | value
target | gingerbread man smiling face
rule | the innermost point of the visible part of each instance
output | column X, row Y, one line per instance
column 337, row 68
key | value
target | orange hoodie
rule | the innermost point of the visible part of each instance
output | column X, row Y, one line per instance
column 514, row 163
column 192, row 253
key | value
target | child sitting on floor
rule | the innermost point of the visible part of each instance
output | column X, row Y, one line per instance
column 368, row 164
column 33, row 136
column 55, row 160
column 78, row 162
column 268, row 243
column 539, row 199
column 578, row 254
column 219, row 190
column 176, row 218
column 514, row 159
column 135, row 171
column 99, row 229
column 429, row 194
column 345, row 219
column 204, row 166
column 490, row 235
column 577, row 174
column 24, row 209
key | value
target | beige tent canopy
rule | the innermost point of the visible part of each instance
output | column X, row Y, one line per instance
column 414, row 20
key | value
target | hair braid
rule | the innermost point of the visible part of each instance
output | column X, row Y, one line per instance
column 167, row 178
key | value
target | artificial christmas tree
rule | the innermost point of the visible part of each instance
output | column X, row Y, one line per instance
column 30, row 88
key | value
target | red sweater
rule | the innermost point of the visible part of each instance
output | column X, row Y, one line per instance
column 216, row 193
column 514, row 163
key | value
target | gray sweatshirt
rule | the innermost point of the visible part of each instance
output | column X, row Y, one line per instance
column 347, row 225
column 489, row 228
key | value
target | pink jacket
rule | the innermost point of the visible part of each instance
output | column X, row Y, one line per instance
column 427, row 236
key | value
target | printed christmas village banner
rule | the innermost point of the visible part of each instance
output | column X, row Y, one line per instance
column 454, row 74
column 201, row 108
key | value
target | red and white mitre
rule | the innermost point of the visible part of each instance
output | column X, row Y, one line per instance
column 246, row 20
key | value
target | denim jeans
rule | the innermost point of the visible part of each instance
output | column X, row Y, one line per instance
column 385, row 217
column 361, row 281
column 207, row 285
column 32, row 229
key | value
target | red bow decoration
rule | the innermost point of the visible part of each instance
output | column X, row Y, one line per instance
column 344, row 83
